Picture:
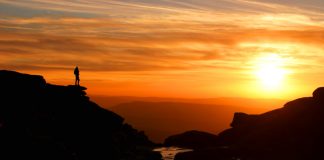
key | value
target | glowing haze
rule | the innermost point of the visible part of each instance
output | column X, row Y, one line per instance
column 183, row 48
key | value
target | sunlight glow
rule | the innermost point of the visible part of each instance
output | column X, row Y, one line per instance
column 270, row 71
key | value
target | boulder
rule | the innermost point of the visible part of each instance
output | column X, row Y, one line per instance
column 241, row 119
column 191, row 139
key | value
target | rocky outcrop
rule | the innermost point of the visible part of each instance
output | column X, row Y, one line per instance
column 293, row 132
column 192, row 140
column 209, row 154
column 241, row 119
column 42, row 121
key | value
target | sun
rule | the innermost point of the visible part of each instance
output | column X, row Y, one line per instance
column 270, row 71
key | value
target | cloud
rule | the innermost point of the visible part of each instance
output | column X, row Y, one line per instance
column 159, row 51
column 150, row 46
column 178, row 35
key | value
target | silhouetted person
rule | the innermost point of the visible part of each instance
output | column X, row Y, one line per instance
column 77, row 76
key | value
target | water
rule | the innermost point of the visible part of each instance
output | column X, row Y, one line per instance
column 168, row 153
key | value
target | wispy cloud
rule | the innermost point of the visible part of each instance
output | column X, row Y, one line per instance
column 180, row 37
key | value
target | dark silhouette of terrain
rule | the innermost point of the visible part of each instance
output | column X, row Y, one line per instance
column 192, row 139
column 40, row 121
column 293, row 132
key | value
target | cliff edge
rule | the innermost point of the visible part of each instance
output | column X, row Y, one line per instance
column 43, row 121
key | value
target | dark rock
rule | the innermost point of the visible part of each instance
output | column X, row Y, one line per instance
column 241, row 119
column 192, row 140
column 42, row 121
column 293, row 132
column 208, row 154
column 318, row 94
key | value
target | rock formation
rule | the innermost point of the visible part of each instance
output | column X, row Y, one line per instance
column 293, row 132
column 40, row 121
column 192, row 140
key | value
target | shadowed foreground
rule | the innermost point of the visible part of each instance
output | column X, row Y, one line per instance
column 40, row 121
column 293, row 132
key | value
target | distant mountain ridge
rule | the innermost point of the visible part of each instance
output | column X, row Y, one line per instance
column 41, row 121
column 162, row 119
column 112, row 101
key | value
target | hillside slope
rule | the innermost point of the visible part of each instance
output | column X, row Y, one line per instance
column 42, row 121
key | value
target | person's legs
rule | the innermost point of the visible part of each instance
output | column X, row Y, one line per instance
column 77, row 81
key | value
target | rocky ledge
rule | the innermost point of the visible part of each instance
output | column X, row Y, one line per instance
column 293, row 132
column 41, row 121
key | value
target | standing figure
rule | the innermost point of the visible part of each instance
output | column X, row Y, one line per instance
column 77, row 77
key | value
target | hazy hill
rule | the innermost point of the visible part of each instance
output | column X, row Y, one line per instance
column 162, row 119
column 111, row 101
column 40, row 121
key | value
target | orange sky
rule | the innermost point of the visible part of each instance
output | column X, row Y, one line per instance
column 185, row 48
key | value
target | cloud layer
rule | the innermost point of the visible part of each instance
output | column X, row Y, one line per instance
column 157, row 39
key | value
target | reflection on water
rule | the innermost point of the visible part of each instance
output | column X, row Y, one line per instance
column 168, row 153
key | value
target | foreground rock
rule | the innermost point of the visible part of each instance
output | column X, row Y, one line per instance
column 41, row 121
column 293, row 132
column 192, row 139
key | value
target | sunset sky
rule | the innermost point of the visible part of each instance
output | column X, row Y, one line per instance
column 169, row 48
